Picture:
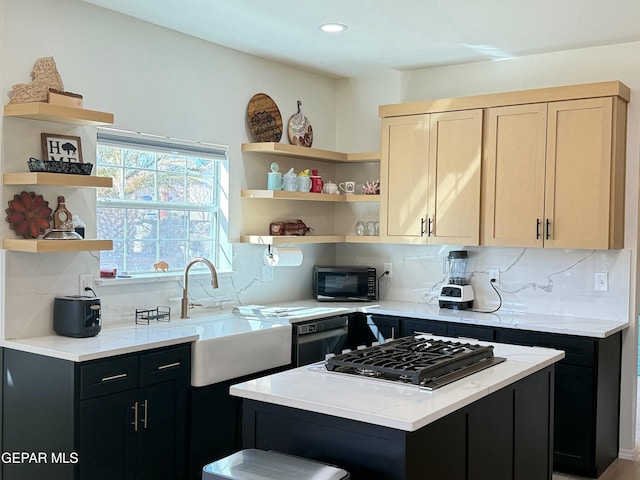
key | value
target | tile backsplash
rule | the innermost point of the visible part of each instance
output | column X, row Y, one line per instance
column 552, row 281
column 557, row 282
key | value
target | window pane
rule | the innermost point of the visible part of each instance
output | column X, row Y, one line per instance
column 139, row 159
column 163, row 205
column 199, row 191
column 170, row 187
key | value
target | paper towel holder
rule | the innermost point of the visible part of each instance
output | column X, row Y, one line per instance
column 282, row 257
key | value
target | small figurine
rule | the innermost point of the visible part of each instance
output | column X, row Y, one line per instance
column 62, row 218
column 371, row 188
column 161, row 266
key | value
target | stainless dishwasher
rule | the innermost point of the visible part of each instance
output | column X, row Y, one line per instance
column 314, row 339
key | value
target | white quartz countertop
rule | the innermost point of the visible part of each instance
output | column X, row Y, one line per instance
column 130, row 338
column 123, row 339
column 303, row 310
column 404, row 407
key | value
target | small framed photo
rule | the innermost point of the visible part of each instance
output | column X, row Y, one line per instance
column 61, row 148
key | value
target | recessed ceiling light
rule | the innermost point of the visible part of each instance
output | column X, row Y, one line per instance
column 332, row 27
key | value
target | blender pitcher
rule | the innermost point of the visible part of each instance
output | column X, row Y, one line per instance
column 456, row 267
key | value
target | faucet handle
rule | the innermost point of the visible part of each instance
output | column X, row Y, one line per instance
column 195, row 304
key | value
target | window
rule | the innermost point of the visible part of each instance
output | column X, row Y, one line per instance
column 169, row 201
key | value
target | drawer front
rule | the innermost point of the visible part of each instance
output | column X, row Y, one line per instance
column 476, row 332
column 411, row 326
column 165, row 365
column 108, row 376
column 579, row 351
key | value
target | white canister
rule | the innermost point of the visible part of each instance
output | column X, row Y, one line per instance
column 330, row 188
column 290, row 181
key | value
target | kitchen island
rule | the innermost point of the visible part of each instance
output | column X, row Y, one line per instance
column 495, row 423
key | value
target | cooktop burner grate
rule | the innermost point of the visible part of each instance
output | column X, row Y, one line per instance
column 427, row 362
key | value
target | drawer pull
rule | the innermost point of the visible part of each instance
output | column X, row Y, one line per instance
column 169, row 365
column 114, row 377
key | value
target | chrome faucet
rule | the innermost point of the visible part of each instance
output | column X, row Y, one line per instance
column 185, row 284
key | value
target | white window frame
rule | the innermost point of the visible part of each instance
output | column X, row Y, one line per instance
column 218, row 211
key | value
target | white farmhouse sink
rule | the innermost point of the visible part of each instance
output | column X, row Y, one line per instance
column 230, row 347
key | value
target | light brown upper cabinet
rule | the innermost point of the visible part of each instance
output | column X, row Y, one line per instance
column 554, row 174
column 430, row 178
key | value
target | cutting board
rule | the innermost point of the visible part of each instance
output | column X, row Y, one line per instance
column 265, row 121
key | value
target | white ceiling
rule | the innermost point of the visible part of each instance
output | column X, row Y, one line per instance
column 388, row 35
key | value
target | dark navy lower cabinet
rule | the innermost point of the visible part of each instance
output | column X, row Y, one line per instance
column 506, row 435
column 120, row 417
column 587, row 398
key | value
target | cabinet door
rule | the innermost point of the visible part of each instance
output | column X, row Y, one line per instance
column 574, row 432
column 366, row 329
column 107, row 437
column 403, row 178
column 455, row 147
column 513, row 210
column 161, row 432
column 578, row 173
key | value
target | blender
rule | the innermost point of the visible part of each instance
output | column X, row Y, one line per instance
column 457, row 293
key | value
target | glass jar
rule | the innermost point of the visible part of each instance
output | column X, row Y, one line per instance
column 371, row 228
column 360, row 228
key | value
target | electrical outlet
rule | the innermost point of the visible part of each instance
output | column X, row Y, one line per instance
column 267, row 273
column 494, row 276
column 388, row 267
column 84, row 282
column 602, row 282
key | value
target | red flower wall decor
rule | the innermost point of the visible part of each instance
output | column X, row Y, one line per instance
column 29, row 214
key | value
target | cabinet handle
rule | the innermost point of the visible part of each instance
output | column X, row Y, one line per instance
column 135, row 417
column 430, row 231
column 144, row 418
column 169, row 365
column 114, row 377
column 422, row 227
column 537, row 228
column 393, row 332
column 548, row 235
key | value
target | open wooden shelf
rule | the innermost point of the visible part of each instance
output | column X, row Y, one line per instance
column 362, row 239
column 285, row 239
column 287, row 150
column 57, row 113
column 56, row 179
column 50, row 246
column 316, row 197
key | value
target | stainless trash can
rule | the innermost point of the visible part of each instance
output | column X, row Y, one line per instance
column 252, row 464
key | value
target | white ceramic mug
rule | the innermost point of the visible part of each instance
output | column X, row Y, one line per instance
column 304, row 183
column 348, row 187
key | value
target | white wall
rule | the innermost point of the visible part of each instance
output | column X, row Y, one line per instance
column 538, row 280
column 155, row 81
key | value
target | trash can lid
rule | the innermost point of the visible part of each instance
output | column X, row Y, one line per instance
column 253, row 464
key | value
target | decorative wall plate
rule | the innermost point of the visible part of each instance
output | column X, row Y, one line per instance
column 300, row 131
column 29, row 214
column 265, row 121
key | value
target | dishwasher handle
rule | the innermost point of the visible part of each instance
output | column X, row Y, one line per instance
column 335, row 332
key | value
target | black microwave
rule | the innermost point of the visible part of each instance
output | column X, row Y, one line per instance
column 344, row 283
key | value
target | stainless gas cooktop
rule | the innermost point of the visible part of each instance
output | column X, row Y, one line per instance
column 427, row 362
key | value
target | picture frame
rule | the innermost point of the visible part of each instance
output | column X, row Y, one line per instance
column 65, row 148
